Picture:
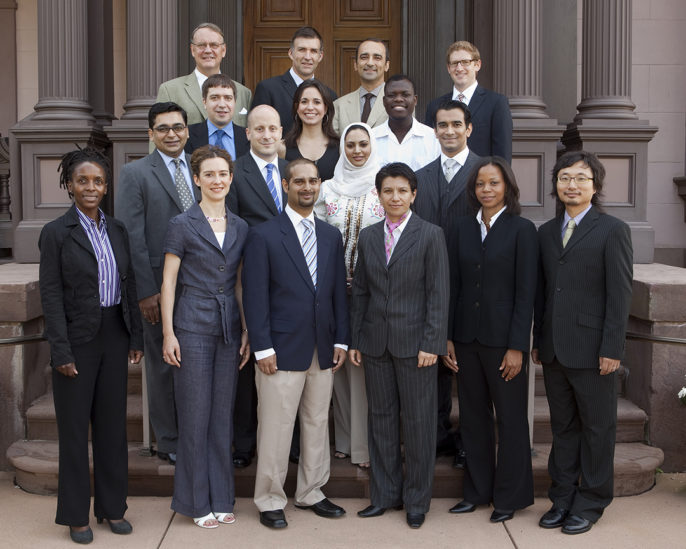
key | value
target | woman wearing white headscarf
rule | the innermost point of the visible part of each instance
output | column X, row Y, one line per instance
column 350, row 203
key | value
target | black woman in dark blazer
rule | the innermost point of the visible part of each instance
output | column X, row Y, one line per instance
column 92, row 323
column 493, row 285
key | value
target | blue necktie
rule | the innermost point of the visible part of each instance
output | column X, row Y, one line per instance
column 272, row 187
column 309, row 246
column 218, row 135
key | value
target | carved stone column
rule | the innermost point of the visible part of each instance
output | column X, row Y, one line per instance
column 63, row 60
column 606, row 60
column 606, row 123
column 517, row 43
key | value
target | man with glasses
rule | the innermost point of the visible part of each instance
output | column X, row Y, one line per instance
column 580, row 318
column 491, row 117
column 150, row 192
column 208, row 49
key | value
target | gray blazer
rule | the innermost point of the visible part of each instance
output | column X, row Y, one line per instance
column 348, row 111
column 146, row 199
column 584, row 291
column 401, row 307
column 185, row 92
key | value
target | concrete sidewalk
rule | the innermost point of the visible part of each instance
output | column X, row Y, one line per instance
column 654, row 519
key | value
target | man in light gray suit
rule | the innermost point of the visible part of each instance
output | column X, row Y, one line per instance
column 150, row 192
column 441, row 200
column 364, row 104
column 399, row 313
column 208, row 49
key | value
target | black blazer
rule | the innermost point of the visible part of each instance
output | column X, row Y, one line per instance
column 198, row 136
column 493, row 283
column 249, row 196
column 491, row 122
column 402, row 306
column 440, row 202
column 584, row 296
column 278, row 91
column 69, row 285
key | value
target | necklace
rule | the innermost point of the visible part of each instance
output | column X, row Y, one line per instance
column 215, row 219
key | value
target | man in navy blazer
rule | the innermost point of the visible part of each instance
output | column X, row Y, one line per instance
column 491, row 117
column 580, row 319
column 219, row 99
column 294, row 297
column 306, row 52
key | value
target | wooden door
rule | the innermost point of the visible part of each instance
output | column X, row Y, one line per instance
column 269, row 24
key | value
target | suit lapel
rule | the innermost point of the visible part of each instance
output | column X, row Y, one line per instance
column 587, row 224
column 199, row 223
column 323, row 250
column 254, row 178
column 294, row 250
column 407, row 239
column 289, row 83
column 377, row 244
column 476, row 100
column 378, row 112
column 162, row 174
column 231, row 233
column 78, row 233
column 459, row 181
column 194, row 93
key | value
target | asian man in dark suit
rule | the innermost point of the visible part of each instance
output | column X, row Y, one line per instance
column 491, row 117
column 306, row 52
column 255, row 196
column 149, row 193
column 219, row 98
column 295, row 301
column 442, row 200
column 399, row 313
column 580, row 322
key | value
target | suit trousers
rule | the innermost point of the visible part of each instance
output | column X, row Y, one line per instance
column 160, row 381
column 280, row 397
column 245, row 412
column 397, row 386
column 97, row 395
column 507, row 481
column 583, row 418
column 205, row 390
column 350, row 412
column 444, row 437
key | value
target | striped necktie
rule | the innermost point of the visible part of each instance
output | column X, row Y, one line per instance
column 272, row 187
column 309, row 246
column 185, row 195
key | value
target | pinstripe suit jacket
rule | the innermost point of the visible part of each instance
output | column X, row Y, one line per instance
column 584, row 291
column 402, row 306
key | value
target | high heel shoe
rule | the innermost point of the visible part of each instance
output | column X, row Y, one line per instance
column 81, row 536
column 121, row 527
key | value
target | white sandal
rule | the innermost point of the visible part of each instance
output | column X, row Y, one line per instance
column 202, row 520
column 225, row 518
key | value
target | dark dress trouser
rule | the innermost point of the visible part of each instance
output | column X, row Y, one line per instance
column 507, row 482
column 97, row 395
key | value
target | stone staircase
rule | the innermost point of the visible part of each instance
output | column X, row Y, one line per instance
column 35, row 459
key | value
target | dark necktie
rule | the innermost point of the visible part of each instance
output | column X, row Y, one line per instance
column 367, row 108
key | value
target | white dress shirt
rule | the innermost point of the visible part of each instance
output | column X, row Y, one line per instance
column 467, row 93
column 419, row 146
column 262, row 165
column 396, row 232
column 484, row 232
column 460, row 158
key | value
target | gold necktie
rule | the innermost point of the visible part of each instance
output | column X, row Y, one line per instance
column 568, row 232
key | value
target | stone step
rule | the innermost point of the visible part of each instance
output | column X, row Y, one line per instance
column 35, row 464
column 631, row 420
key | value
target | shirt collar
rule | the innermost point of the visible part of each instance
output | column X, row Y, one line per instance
column 467, row 93
column 295, row 77
column 102, row 222
column 296, row 218
column 169, row 159
column 402, row 226
column 385, row 130
column 375, row 92
column 493, row 219
column 461, row 157
column 211, row 128
column 577, row 218
column 200, row 77
column 261, row 164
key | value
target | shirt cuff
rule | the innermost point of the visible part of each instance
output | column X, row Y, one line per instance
column 259, row 355
column 341, row 346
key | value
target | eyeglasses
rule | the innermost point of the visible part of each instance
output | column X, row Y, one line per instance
column 164, row 130
column 211, row 45
column 461, row 63
column 580, row 179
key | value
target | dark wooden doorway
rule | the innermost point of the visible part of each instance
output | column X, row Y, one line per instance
column 269, row 24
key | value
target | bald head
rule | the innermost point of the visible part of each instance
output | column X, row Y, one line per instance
column 264, row 131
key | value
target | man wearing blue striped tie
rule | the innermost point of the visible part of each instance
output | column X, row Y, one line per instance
column 294, row 296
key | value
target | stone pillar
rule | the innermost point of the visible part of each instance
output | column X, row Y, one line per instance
column 151, row 56
column 517, row 40
column 606, row 60
column 606, row 123
column 63, row 61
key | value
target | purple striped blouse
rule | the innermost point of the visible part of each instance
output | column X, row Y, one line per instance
column 108, row 274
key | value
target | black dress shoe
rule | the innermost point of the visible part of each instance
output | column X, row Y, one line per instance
column 170, row 457
column 324, row 508
column 553, row 518
column 501, row 515
column 376, row 511
column 273, row 519
column 459, row 460
column 121, row 527
column 241, row 462
column 81, row 536
column 463, row 507
column 294, row 458
column 415, row 520
column 574, row 524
